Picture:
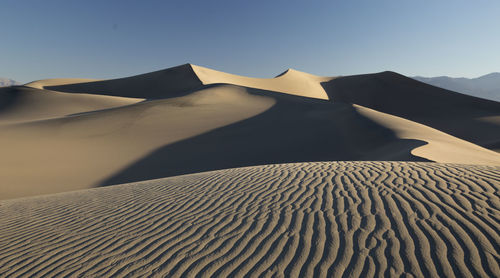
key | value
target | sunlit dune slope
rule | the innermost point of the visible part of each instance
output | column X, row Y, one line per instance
column 291, row 82
column 331, row 219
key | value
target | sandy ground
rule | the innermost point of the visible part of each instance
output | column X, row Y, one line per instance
column 291, row 220
column 364, row 175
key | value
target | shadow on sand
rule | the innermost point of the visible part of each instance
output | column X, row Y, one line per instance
column 295, row 129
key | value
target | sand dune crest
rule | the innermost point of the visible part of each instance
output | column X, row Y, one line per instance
column 176, row 81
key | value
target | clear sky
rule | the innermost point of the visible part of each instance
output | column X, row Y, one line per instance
column 106, row 39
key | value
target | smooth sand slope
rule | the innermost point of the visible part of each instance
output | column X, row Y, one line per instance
column 219, row 127
column 330, row 219
column 24, row 104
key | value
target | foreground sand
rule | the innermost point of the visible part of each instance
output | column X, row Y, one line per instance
column 325, row 219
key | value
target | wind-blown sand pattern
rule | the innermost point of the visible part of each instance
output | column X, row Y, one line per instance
column 327, row 219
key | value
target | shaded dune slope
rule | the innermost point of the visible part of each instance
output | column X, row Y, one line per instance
column 171, row 82
column 295, row 220
column 295, row 131
column 470, row 118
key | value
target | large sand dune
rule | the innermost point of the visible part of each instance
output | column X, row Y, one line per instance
column 330, row 219
column 67, row 134
column 216, row 127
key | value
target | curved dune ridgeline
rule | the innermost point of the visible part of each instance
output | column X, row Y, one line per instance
column 180, row 80
column 466, row 117
column 324, row 219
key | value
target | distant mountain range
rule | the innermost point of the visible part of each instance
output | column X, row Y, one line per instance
column 5, row 82
column 486, row 86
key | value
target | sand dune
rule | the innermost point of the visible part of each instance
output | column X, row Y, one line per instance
column 454, row 113
column 328, row 219
column 218, row 127
column 386, row 92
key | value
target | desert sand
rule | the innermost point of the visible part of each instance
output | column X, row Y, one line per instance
column 325, row 219
column 374, row 174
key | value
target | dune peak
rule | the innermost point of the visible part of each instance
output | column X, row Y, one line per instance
column 287, row 71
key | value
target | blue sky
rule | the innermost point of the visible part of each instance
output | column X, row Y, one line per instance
column 107, row 39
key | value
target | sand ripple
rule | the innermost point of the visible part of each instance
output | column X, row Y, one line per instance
column 328, row 219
